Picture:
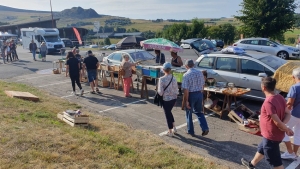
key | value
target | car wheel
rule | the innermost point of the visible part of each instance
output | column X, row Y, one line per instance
column 283, row 55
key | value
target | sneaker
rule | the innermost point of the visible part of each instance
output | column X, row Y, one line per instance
column 204, row 133
column 73, row 93
column 170, row 134
column 287, row 155
column 174, row 130
column 81, row 92
column 247, row 164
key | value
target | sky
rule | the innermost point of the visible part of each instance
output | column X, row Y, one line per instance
column 140, row 9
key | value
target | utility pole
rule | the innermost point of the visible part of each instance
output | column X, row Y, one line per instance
column 51, row 14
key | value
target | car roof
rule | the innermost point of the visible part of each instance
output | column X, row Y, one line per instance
column 249, row 53
column 65, row 39
column 131, row 50
column 255, row 38
column 189, row 41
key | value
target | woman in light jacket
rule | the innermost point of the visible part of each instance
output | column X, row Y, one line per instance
column 169, row 94
column 43, row 51
column 127, row 66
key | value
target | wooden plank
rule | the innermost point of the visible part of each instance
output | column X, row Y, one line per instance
column 248, row 129
column 60, row 116
column 22, row 95
column 74, row 124
column 76, row 119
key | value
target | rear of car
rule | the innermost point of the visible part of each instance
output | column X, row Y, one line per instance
column 202, row 46
column 67, row 42
column 268, row 46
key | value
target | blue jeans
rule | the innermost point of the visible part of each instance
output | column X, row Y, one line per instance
column 195, row 100
column 33, row 54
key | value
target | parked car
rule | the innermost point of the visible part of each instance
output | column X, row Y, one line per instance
column 202, row 46
column 112, row 47
column 67, row 42
column 93, row 46
column 185, row 46
column 135, row 55
column 244, row 70
column 268, row 46
column 105, row 47
column 218, row 43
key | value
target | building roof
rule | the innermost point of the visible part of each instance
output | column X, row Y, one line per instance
column 20, row 24
column 128, row 34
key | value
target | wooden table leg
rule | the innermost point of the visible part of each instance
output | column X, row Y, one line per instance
column 146, row 90
column 234, row 97
column 224, row 102
column 143, row 86
column 112, row 80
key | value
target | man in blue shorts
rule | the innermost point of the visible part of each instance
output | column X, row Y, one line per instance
column 91, row 64
column 273, row 117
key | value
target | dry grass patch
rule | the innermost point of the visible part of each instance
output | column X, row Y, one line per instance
column 32, row 137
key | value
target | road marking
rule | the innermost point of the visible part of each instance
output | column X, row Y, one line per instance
column 76, row 95
column 183, row 125
column 32, row 78
column 294, row 164
column 122, row 106
column 55, row 83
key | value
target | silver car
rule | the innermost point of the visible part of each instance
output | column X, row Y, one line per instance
column 244, row 70
column 268, row 46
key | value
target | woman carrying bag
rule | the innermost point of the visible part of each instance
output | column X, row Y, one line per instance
column 168, row 89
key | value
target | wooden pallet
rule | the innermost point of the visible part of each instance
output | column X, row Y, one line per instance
column 22, row 95
column 78, row 120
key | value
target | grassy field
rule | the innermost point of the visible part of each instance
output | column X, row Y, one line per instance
column 32, row 137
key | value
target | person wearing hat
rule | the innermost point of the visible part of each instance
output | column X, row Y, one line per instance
column 43, row 50
column 192, row 84
column 168, row 89
column 91, row 63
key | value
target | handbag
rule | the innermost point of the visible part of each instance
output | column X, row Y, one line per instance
column 40, row 56
column 158, row 99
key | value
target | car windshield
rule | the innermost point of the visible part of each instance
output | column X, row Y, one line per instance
column 141, row 55
column 272, row 61
column 203, row 45
column 52, row 38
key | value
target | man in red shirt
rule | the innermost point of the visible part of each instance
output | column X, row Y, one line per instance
column 273, row 117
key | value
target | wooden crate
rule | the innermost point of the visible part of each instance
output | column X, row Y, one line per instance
column 233, row 116
column 77, row 120
column 249, row 129
column 22, row 95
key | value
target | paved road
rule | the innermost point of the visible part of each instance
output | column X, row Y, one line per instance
column 225, row 144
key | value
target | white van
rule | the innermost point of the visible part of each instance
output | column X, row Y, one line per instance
column 48, row 35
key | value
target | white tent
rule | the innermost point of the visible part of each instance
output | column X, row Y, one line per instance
column 6, row 34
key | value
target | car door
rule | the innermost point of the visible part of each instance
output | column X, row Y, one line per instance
column 115, row 59
column 254, row 45
column 267, row 48
column 226, row 70
column 249, row 76
column 207, row 63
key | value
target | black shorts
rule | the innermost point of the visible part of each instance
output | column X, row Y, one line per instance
column 271, row 150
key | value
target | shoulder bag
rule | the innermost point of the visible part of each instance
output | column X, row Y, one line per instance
column 159, row 99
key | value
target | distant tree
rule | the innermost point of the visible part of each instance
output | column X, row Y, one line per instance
column 225, row 32
column 132, row 30
column 148, row 34
column 265, row 18
column 120, row 30
column 107, row 41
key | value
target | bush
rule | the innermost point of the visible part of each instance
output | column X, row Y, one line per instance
column 291, row 40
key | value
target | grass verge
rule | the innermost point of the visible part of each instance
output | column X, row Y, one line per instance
column 32, row 137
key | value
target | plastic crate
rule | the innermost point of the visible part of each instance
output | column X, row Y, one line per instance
column 145, row 71
column 154, row 72
column 178, row 74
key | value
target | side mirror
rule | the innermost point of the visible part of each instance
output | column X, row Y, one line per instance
column 262, row 75
column 273, row 45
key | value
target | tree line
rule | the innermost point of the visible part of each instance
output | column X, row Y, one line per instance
column 197, row 29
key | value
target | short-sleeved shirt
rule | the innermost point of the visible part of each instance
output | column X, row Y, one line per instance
column 193, row 80
column 171, row 92
column 73, row 66
column 272, row 105
column 295, row 94
column 90, row 62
